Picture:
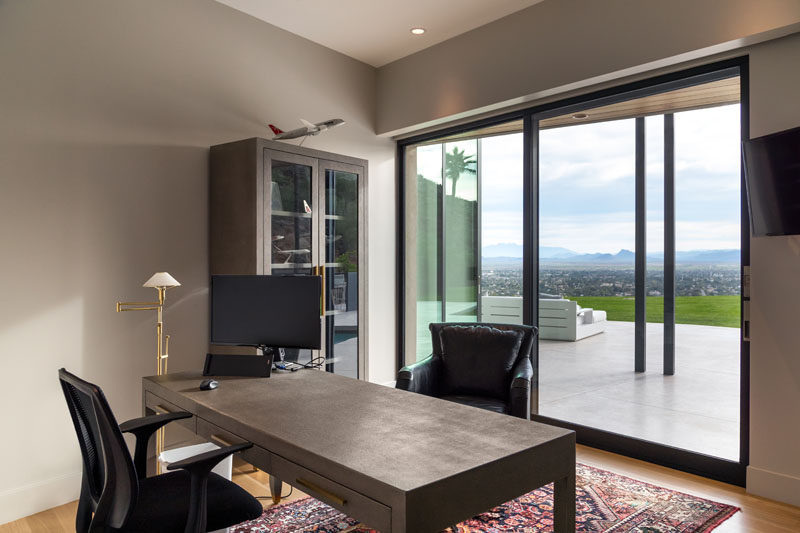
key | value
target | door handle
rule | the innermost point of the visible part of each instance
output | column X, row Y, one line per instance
column 320, row 271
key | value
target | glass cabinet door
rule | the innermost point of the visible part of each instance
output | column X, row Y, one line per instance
column 290, row 226
column 339, row 246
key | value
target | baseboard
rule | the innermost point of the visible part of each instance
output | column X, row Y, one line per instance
column 773, row 485
column 33, row 498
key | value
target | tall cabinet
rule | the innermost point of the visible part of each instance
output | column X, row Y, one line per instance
column 282, row 209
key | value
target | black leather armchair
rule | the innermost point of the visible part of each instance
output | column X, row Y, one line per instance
column 484, row 365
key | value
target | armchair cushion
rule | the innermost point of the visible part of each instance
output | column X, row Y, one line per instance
column 490, row 404
column 477, row 360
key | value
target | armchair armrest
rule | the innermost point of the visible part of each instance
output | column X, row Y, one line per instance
column 143, row 428
column 520, row 390
column 199, row 467
column 421, row 377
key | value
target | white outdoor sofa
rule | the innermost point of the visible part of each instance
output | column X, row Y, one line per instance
column 559, row 318
column 565, row 320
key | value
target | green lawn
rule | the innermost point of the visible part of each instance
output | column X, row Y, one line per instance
column 703, row 310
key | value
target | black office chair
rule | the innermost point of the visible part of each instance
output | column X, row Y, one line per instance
column 116, row 494
column 483, row 365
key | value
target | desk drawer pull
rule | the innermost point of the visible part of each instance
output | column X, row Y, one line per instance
column 319, row 490
column 220, row 440
column 161, row 410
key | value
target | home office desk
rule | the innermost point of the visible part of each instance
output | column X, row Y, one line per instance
column 397, row 461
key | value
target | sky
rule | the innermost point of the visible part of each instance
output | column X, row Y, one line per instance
column 587, row 183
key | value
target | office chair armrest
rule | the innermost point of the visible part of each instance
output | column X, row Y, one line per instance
column 421, row 377
column 520, row 390
column 143, row 428
column 199, row 467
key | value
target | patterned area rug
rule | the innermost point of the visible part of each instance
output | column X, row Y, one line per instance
column 605, row 502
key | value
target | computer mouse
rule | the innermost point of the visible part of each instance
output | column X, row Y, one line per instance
column 209, row 384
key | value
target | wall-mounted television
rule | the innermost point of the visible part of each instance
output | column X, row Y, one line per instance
column 772, row 175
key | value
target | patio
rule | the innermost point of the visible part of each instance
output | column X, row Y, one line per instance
column 591, row 382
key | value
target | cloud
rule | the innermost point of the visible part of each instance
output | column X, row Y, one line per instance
column 501, row 227
column 587, row 189
column 612, row 232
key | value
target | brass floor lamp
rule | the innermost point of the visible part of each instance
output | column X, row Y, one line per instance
column 161, row 281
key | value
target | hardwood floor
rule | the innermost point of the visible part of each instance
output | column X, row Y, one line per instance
column 758, row 515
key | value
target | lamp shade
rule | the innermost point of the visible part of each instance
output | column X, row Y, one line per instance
column 161, row 279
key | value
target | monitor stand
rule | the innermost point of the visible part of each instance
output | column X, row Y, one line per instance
column 277, row 355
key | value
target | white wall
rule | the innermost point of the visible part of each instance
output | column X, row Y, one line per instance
column 107, row 110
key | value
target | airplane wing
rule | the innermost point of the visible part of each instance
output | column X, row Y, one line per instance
column 308, row 124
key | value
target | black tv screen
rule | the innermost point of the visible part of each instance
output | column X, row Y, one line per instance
column 273, row 311
column 772, row 171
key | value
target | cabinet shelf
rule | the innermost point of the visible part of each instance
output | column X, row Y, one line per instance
column 292, row 214
column 276, row 266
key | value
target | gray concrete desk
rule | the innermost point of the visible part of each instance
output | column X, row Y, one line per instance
column 398, row 461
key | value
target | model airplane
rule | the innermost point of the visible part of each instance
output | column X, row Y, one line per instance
column 307, row 129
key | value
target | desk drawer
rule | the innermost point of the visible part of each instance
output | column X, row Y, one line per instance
column 350, row 502
column 161, row 406
column 256, row 456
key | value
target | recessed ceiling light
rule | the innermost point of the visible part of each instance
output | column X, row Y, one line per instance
column 418, row 31
column 580, row 116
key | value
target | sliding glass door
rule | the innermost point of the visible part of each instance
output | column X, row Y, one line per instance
column 639, row 267
column 463, row 219
column 615, row 223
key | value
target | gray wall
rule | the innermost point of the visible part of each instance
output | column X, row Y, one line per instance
column 107, row 110
column 560, row 45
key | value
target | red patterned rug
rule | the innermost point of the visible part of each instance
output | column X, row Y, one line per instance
column 605, row 502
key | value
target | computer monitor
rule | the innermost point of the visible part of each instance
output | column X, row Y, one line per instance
column 266, row 311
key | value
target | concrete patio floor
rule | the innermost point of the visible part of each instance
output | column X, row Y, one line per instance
column 591, row 382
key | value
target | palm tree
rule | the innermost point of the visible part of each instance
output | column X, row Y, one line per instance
column 457, row 163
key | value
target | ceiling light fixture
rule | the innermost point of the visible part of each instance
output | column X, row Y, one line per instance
column 580, row 116
column 418, row 30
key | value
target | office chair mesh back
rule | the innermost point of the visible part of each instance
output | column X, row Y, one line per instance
column 80, row 405
column 109, row 476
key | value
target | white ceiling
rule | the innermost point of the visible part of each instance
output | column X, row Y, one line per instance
column 377, row 31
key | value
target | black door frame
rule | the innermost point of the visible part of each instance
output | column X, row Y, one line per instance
column 708, row 466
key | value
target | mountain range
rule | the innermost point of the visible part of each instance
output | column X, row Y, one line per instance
column 508, row 252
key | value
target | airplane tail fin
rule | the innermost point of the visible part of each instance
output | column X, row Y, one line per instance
column 276, row 131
